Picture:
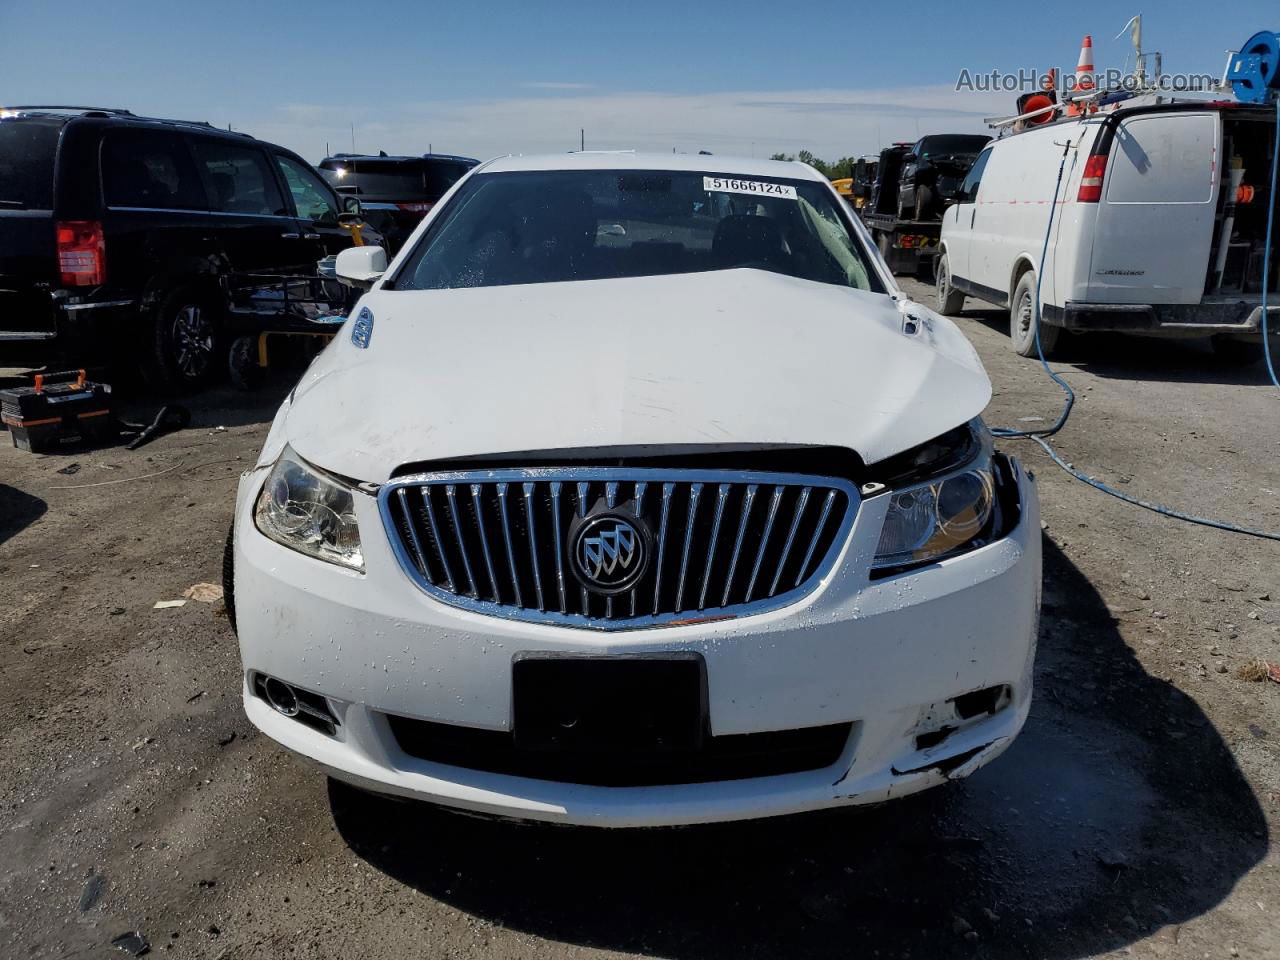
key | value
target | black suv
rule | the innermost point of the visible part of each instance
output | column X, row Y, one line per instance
column 932, row 171
column 120, row 231
column 395, row 193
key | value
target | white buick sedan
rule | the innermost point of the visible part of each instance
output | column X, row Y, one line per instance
column 634, row 492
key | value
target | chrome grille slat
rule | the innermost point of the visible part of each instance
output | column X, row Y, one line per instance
column 698, row 559
column 529, row 489
column 584, row 490
column 774, row 501
column 667, row 489
column 641, row 486
column 451, row 502
column 419, row 554
column 817, row 534
column 801, row 502
column 435, row 535
column 695, row 491
column 722, row 495
column 737, row 543
column 477, row 502
column 555, row 525
column 506, row 536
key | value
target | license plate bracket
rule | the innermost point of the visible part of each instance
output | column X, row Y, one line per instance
column 620, row 705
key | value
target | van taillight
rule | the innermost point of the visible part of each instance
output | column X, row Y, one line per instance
column 81, row 253
column 1091, row 182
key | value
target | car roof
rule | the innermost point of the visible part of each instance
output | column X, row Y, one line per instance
column 629, row 160
column 111, row 116
column 396, row 158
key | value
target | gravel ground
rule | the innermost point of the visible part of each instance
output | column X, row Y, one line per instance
column 1134, row 815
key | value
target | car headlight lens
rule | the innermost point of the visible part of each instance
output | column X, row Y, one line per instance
column 310, row 512
column 930, row 520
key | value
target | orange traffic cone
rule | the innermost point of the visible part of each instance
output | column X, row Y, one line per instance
column 1084, row 75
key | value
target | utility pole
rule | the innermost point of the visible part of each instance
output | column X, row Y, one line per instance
column 582, row 138
column 353, row 137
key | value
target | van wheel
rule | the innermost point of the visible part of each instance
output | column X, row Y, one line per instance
column 182, row 341
column 1022, row 321
column 1237, row 353
column 950, row 300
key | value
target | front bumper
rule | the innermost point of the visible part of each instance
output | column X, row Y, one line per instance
column 881, row 655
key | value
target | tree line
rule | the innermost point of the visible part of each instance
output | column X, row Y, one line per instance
column 835, row 170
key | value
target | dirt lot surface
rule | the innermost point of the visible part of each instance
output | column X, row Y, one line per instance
column 1134, row 816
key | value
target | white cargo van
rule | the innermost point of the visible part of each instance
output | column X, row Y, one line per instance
column 1160, row 226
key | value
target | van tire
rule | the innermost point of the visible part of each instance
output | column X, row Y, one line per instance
column 950, row 300
column 1022, row 323
column 181, row 341
column 1236, row 353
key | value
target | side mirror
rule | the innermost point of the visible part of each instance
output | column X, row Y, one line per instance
column 360, row 266
column 351, row 205
column 952, row 201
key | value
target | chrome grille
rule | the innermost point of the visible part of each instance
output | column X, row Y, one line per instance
column 719, row 543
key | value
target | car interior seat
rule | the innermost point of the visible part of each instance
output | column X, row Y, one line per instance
column 742, row 239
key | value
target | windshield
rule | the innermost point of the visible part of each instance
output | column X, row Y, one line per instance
column 27, row 149
column 942, row 146
column 406, row 180
column 548, row 226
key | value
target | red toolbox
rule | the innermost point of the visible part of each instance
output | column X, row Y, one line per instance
column 57, row 409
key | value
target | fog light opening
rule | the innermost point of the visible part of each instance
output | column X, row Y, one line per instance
column 988, row 701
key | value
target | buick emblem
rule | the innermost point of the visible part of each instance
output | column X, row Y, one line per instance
column 609, row 553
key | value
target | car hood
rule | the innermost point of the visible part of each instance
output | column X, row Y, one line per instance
column 723, row 359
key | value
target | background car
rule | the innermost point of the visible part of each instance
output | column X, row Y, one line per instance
column 395, row 193
column 117, row 232
column 932, row 171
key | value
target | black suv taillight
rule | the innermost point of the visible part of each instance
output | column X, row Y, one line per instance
column 81, row 253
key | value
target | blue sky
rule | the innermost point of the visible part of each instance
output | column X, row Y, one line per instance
column 483, row 78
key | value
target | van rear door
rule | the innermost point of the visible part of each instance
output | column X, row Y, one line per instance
column 28, row 249
column 1155, row 225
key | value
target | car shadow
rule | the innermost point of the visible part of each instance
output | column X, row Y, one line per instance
column 1120, row 357
column 1118, row 811
column 18, row 510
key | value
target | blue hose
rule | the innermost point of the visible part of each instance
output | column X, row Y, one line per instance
column 1266, row 254
column 1039, row 435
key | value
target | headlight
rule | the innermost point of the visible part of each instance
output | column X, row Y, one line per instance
column 307, row 511
column 930, row 520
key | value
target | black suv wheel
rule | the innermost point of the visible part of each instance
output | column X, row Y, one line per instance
column 182, row 341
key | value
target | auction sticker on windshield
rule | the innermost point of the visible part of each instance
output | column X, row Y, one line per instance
column 758, row 188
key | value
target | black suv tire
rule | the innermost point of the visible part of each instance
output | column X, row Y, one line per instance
column 924, row 202
column 182, row 340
